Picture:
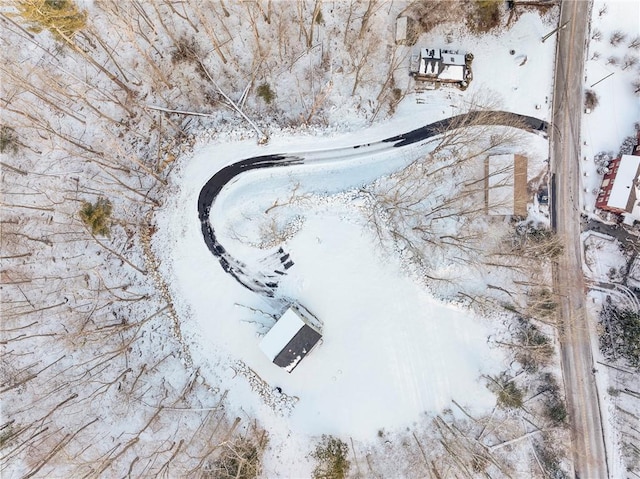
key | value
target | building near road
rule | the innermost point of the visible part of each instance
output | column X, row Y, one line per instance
column 620, row 190
column 290, row 339
column 506, row 185
column 440, row 66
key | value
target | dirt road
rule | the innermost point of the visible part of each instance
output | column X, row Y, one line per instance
column 590, row 459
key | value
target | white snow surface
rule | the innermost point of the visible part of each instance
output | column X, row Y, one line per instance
column 604, row 260
column 386, row 341
column 281, row 333
column 390, row 352
column 618, row 109
column 521, row 82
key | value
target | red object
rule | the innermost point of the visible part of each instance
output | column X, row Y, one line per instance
column 607, row 186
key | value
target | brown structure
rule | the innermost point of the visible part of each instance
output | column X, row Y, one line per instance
column 620, row 190
column 506, row 185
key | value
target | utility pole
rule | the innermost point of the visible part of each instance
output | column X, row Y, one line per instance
column 555, row 30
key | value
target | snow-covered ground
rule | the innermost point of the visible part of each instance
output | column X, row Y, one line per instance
column 618, row 109
column 385, row 340
column 603, row 259
column 611, row 69
column 513, row 68
column 393, row 355
column 397, row 350
column 390, row 351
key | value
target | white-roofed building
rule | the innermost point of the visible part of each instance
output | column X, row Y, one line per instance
column 438, row 65
column 290, row 339
column 620, row 190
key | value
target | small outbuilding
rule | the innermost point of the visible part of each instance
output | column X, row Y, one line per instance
column 506, row 185
column 290, row 339
column 620, row 190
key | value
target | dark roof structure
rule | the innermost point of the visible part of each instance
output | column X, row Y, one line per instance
column 296, row 349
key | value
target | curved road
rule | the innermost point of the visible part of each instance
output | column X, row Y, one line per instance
column 267, row 283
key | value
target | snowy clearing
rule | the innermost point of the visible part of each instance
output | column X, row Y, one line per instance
column 610, row 73
column 386, row 339
column 158, row 348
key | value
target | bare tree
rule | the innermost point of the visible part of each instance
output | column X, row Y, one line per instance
column 591, row 99
column 629, row 61
column 617, row 37
column 416, row 208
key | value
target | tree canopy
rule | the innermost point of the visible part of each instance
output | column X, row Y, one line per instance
column 97, row 216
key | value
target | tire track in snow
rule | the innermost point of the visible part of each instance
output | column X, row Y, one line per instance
column 267, row 283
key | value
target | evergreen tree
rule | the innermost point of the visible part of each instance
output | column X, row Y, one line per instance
column 62, row 18
column 97, row 216
column 331, row 455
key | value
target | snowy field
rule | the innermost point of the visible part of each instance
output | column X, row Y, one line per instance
column 386, row 341
column 391, row 352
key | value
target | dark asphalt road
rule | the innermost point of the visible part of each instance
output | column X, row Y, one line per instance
column 618, row 232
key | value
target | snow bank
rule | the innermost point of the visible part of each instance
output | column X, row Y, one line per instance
column 390, row 352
